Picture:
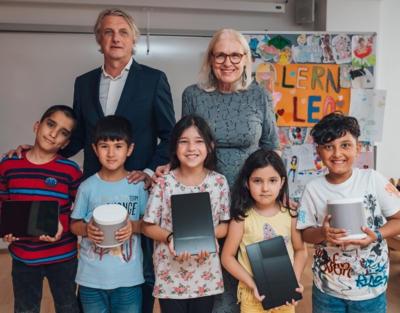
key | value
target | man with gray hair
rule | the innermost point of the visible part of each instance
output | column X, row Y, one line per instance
column 141, row 94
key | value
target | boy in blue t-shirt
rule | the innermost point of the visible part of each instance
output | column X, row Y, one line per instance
column 110, row 278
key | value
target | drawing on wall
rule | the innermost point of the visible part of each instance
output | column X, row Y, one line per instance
column 365, row 160
column 341, row 48
column 266, row 76
column 283, row 133
column 326, row 45
column 368, row 107
column 297, row 135
column 301, row 53
column 316, row 50
column 298, row 178
column 293, row 167
column 282, row 44
column 364, row 51
column 253, row 44
column 367, row 146
column 345, row 77
column 267, row 52
column 355, row 77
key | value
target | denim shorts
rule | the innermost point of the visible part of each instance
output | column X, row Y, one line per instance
column 118, row 300
column 323, row 303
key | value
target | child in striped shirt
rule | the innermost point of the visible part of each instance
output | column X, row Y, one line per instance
column 41, row 174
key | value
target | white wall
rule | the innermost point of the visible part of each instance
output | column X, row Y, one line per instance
column 353, row 15
column 388, row 78
column 160, row 18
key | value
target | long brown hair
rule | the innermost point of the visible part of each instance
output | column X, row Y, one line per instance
column 204, row 131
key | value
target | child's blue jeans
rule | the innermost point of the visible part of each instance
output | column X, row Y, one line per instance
column 28, row 285
column 118, row 300
column 323, row 303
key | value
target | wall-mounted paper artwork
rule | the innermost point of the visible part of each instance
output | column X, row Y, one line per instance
column 308, row 92
column 283, row 133
column 313, row 41
column 297, row 178
column 368, row 107
column 297, row 135
column 367, row 146
column 326, row 44
column 253, row 42
column 309, row 138
column 341, row 48
column 364, row 51
column 266, row 77
column 266, row 51
column 302, row 52
column 365, row 160
column 365, row 81
column 305, row 156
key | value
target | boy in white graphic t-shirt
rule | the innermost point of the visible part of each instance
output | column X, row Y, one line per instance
column 349, row 276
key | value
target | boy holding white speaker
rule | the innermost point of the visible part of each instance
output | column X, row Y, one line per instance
column 349, row 275
column 110, row 276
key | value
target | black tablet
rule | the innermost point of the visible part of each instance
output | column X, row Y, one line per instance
column 29, row 218
column 192, row 222
column 273, row 272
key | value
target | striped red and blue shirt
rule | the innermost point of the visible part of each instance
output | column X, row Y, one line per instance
column 57, row 180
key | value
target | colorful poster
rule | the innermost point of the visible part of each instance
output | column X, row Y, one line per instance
column 362, row 77
column 364, row 51
column 297, row 178
column 326, row 45
column 368, row 107
column 367, row 146
column 297, row 135
column 341, row 48
column 303, row 93
column 305, row 156
column 365, row 160
column 313, row 42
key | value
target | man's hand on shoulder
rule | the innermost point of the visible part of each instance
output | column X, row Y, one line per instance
column 17, row 151
column 138, row 176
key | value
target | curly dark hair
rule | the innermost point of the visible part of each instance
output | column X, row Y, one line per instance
column 334, row 126
column 242, row 201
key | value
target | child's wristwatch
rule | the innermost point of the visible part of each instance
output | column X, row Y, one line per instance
column 379, row 236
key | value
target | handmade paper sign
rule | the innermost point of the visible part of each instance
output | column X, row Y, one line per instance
column 303, row 93
column 368, row 107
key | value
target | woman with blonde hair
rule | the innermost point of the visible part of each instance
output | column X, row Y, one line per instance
column 240, row 114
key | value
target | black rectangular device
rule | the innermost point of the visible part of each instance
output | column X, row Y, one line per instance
column 273, row 272
column 192, row 222
column 29, row 218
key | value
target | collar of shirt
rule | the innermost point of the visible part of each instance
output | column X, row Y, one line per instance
column 126, row 68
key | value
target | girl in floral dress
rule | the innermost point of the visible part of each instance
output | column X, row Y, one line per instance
column 186, row 283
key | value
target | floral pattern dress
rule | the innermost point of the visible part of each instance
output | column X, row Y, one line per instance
column 196, row 277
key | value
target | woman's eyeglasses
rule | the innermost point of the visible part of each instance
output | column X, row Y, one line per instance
column 220, row 57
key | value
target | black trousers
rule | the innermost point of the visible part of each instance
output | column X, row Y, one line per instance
column 193, row 305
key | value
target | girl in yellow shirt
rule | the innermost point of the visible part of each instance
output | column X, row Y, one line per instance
column 258, row 214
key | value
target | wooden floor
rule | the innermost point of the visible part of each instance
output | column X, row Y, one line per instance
column 392, row 294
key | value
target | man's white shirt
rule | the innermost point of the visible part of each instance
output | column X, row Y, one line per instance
column 110, row 92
